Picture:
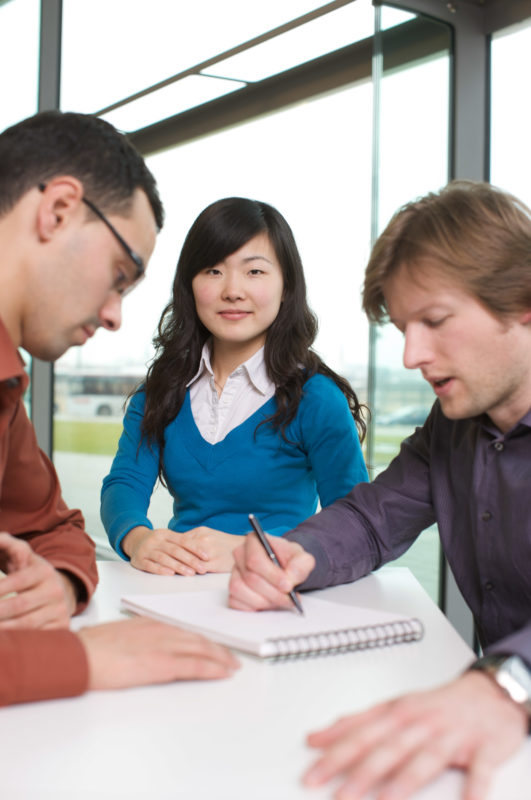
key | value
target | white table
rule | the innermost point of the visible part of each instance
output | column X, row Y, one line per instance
column 239, row 739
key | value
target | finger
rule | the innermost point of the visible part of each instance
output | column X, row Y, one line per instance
column 169, row 554
column 431, row 755
column 253, row 561
column 15, row 553
column 327, row 736
column 194, row 544
column 296, row 563
column 186, row 556
column 251, row 596
column 196, row 645
column 28, row 577
column 161, row 563
column 147, row 565
column 480, row 774
column 30, row 611
column 350, row 746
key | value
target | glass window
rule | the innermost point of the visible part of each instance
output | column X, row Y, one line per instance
column 510, row 112
column 19, row 59
column 322, row 190
column 151, row 42
column 412, row 160
column 312, row 161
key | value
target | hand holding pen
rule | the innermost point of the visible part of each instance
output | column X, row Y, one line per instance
column 271, row 553
column 257, row 583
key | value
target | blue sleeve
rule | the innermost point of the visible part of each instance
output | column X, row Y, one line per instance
column 127, row 489
column 330, row 439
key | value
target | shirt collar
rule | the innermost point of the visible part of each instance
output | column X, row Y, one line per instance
column 491, row 428
column 11, row 363
column 204, row 364
column 254, row 368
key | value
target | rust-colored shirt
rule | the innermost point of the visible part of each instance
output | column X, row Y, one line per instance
column 38, row 664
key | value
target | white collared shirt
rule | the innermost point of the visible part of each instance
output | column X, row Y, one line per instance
column 246, row 389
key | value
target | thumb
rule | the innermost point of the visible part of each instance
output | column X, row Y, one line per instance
column 15, row 553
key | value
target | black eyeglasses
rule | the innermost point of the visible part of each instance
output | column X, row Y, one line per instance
column 135, row 258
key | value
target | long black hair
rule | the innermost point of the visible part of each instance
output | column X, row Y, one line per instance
column 220, row 230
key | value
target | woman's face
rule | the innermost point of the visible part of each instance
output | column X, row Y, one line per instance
column 238, row 299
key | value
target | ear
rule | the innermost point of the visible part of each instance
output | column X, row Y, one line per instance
column 525, row 318
column 60, row 204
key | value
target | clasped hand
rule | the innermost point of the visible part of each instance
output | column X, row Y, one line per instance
column 166, row 552
column 33, row 594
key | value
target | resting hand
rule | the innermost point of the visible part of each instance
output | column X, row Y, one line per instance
column 166, row 552
column 401, row 745
column 142, row 651
column 257, row 584
column 213, row 547
column 42, row 597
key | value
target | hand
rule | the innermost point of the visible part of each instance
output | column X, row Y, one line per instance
column 213, row 547
column 401, row 745
column 141, row 651
column 166, row 552
column 257, row 584
column 43, row 596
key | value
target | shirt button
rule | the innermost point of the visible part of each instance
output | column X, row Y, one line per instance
column 486, row 516
column 498, row 446
column 489, row 586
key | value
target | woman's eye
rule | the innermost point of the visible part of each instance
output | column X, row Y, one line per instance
column 256, row 271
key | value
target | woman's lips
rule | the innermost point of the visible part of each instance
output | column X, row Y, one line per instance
column 233, row 314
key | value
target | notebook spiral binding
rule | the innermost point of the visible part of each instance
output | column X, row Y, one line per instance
column 344, row 641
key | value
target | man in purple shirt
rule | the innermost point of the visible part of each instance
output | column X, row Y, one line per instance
column 452, row 271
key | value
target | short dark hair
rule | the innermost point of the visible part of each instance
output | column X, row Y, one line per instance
column 470, row 232
column 88, row 148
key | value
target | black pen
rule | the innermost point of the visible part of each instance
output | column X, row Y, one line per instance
column 271, row 553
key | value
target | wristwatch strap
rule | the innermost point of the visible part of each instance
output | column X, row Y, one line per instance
column 512, row 675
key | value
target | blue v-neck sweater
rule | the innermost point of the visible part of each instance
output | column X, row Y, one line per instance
column 251, row 470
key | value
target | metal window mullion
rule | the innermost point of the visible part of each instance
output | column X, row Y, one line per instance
column 48, row 98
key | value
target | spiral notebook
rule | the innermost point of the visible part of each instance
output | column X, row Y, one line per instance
column 326, row 627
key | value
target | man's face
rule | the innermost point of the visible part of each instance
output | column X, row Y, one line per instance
column 79, row 283
column 475, row 362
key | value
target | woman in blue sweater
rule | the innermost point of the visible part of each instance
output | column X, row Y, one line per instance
column 237, row 413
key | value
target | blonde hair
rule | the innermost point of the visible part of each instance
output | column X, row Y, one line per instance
column 473, row 234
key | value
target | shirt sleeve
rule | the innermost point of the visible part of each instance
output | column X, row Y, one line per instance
column 518, row 643
column 127, row 489
column 375, row 523
column 41, row 665
column 33, row 508
column 330, row 439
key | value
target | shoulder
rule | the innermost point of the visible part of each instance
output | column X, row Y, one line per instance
column 137, row 401
column 321, row 389
column 323, row 406
column 135, row 408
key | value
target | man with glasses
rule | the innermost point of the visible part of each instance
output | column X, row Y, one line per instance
column 79, row 215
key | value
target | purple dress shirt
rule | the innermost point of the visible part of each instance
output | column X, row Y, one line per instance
column 475, row 482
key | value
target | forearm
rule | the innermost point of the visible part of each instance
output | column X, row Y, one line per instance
column 40, row 665
column 343, row 550
column 134, row 538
